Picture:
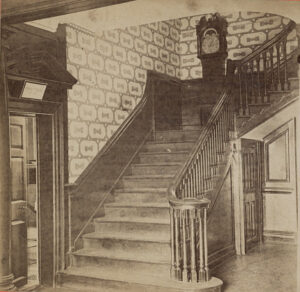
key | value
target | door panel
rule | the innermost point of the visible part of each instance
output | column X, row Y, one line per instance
column 251, row 163
column 18, row 199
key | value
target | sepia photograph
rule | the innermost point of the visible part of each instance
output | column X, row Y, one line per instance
column 149, row 146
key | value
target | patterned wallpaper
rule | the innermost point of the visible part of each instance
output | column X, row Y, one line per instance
column 111, row 69
column 246, row 31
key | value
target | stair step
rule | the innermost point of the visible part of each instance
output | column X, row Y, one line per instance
column 152, row 210
column 134, row 243
column 134, row 195
column 148, row 180
column 176, row 135
column 94, row 279
column 145, row 262
column 149, row 157
column 153, row 146
column 155, row 168
column 131, row 224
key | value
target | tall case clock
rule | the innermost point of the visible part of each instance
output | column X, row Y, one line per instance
column 212, row 45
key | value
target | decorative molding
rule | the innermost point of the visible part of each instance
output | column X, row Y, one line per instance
column 29, row 10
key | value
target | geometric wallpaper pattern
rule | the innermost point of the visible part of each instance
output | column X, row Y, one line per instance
column 111, row 69
column 246, row 31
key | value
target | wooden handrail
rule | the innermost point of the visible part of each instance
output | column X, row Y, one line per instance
column 269, row 43
column 203, row 135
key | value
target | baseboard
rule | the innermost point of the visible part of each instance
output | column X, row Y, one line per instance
column 280, row 236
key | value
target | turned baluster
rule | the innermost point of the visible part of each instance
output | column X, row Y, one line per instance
column 198, row 175
column 175, row 230
column 201, row 272
column 252, row 81
column 193, row 246
column 189, row 183
column 204, row 167
column 258, row 98
column 202, row 172
column 279, row 85
column 195, row 191
column 241, row 109
column 205, row 244
column 245, row 69
column 265, row 97
column 286, row 85
column 184, row 247
column 271, row 52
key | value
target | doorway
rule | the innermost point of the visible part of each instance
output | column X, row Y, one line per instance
column 37, row 193
column 252, row 189
column 24, row 200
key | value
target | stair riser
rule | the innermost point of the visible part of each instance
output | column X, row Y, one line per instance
column 140, row 197
column 130, row 227
column 167, row 147
column 91, row 284
column 176, row 135
column 157, row 249
column 153, row 169
column 150, row 212
column 164, row 157
column 145, row 183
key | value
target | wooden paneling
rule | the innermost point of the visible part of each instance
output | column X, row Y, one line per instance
column 16, row 11
column 221, row 221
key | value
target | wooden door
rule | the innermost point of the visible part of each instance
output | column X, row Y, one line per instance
column 251, row 163
column 18, row 198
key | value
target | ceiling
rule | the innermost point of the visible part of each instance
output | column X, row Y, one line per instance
column 15, row 11
column 147, row 11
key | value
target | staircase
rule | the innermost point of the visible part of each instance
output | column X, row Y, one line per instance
column 130, row 247
column 149, row 232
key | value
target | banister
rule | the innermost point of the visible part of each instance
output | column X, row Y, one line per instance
column 217, row 108
column 269, row 43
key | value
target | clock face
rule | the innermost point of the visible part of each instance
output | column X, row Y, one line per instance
column 210, row 42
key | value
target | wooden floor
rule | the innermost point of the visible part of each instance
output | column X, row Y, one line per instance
column 269, row 267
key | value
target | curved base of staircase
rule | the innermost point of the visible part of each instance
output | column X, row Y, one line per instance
column 89, row 280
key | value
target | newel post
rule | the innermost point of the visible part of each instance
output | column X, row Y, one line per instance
column 189, row 245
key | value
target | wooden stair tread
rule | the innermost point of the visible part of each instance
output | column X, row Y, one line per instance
column 148, row 176
column 120, row 255
column 163, row 152
column 141, row 190
column 135, row 276
column 136, row 219
column 148, row 236
column 162, row 163
column 138, row 204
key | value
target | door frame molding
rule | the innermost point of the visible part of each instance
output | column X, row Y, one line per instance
column 54, row 109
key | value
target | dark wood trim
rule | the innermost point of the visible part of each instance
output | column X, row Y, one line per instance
column 13, row 12
column 32, row 106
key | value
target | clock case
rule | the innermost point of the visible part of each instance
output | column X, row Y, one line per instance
column 213, row 64
column 219, row 24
